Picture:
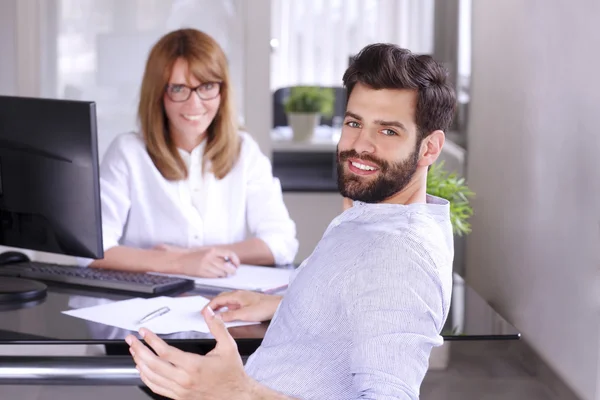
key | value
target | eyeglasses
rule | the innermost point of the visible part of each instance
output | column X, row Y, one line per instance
column 205, row 91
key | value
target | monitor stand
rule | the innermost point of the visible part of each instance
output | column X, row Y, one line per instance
column 19, row 290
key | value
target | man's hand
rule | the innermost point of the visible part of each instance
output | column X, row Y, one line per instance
column 180, row 375
column 245, row 306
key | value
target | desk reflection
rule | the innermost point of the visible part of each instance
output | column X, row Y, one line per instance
column 97, row 331
column 472, row 318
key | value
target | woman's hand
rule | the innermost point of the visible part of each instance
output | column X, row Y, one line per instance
column 204, row 262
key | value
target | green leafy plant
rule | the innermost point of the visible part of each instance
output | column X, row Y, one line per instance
column 449, row 186
column 310, row 99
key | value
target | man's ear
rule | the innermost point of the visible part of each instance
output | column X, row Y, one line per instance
column 431, row 148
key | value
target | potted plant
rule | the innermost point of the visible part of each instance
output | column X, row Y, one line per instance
column 449, row 186
column 304, row 107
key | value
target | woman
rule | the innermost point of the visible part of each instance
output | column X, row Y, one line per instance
column 177, row 197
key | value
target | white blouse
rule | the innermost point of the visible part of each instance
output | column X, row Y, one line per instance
column 142, row 209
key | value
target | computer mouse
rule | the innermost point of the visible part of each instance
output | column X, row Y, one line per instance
column 12, row 257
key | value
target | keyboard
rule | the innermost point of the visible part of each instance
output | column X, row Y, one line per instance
column 96, row 278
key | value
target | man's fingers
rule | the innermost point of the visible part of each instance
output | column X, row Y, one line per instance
column 226, row 299
column 156, row 388
column 219, row 330
column 241, row 314
column 171, row 363
column 158, row 384
column 143, row 356
column 168, row 353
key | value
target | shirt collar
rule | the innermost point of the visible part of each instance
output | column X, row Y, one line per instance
column 429, row 200
column 196, row 152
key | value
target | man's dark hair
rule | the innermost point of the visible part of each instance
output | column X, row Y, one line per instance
column 387, row 66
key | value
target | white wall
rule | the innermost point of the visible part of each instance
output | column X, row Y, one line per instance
column 258, row 107
column 312, row 213
column 7, row 45
column 533, row 162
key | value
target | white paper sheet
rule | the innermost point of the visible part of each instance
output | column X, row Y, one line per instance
column 249, row 277
column 184, row 315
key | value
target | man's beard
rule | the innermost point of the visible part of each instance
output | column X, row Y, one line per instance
column 391, row 178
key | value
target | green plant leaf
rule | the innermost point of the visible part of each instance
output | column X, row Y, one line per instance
column 449, row 186
column 310, row 99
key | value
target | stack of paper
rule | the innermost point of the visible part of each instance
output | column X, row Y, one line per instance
column 249, row 277
column 184, row 314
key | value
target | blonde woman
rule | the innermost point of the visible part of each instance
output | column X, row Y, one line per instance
column 180, row 195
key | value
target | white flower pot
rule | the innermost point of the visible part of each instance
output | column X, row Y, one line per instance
column 303, row 125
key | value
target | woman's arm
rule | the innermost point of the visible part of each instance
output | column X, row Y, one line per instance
column 206, row 262
column 251, row 251
column 139, row 260
column 171, row 259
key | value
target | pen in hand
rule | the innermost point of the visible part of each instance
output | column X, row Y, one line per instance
column 228, row 260
column 154, row 314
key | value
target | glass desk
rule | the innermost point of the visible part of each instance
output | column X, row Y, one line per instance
column 42, row 323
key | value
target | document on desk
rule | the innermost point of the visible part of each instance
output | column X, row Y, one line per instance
column 184, row 314
column 248, row 277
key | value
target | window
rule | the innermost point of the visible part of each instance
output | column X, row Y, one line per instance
column 313, row 40
column 98, row 50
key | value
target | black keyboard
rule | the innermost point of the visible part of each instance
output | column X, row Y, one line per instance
column 122, row 281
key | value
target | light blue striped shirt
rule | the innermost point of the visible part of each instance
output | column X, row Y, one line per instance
column 363, row 312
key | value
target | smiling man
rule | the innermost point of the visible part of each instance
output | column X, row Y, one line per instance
column 363, row 312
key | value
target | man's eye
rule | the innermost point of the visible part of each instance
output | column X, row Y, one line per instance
column 353, row 124
column 389, row 132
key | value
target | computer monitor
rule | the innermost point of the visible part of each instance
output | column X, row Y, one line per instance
column 49, row 180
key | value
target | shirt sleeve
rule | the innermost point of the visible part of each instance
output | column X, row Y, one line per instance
column 268, row 217
column 115, row 193
column 396, row 310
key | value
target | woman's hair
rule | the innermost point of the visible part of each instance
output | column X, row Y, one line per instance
column 207, row 62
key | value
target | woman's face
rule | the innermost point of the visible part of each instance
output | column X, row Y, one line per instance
column 189, row 118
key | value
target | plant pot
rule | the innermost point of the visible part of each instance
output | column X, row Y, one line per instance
column 303, row 125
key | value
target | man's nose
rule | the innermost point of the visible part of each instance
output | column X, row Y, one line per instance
column 364, row 142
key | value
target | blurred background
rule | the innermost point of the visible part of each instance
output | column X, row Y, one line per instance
column 524, row 137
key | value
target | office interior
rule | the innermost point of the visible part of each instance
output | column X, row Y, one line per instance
column 524, row 138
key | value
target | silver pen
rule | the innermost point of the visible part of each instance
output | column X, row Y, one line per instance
column 154, row 314
column 228, row 260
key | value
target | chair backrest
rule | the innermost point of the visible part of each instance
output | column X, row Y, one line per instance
column 281, row 95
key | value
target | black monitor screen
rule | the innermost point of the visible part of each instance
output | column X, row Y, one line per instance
column 49, row 184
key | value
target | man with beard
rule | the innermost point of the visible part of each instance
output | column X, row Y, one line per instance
column 363, row 312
